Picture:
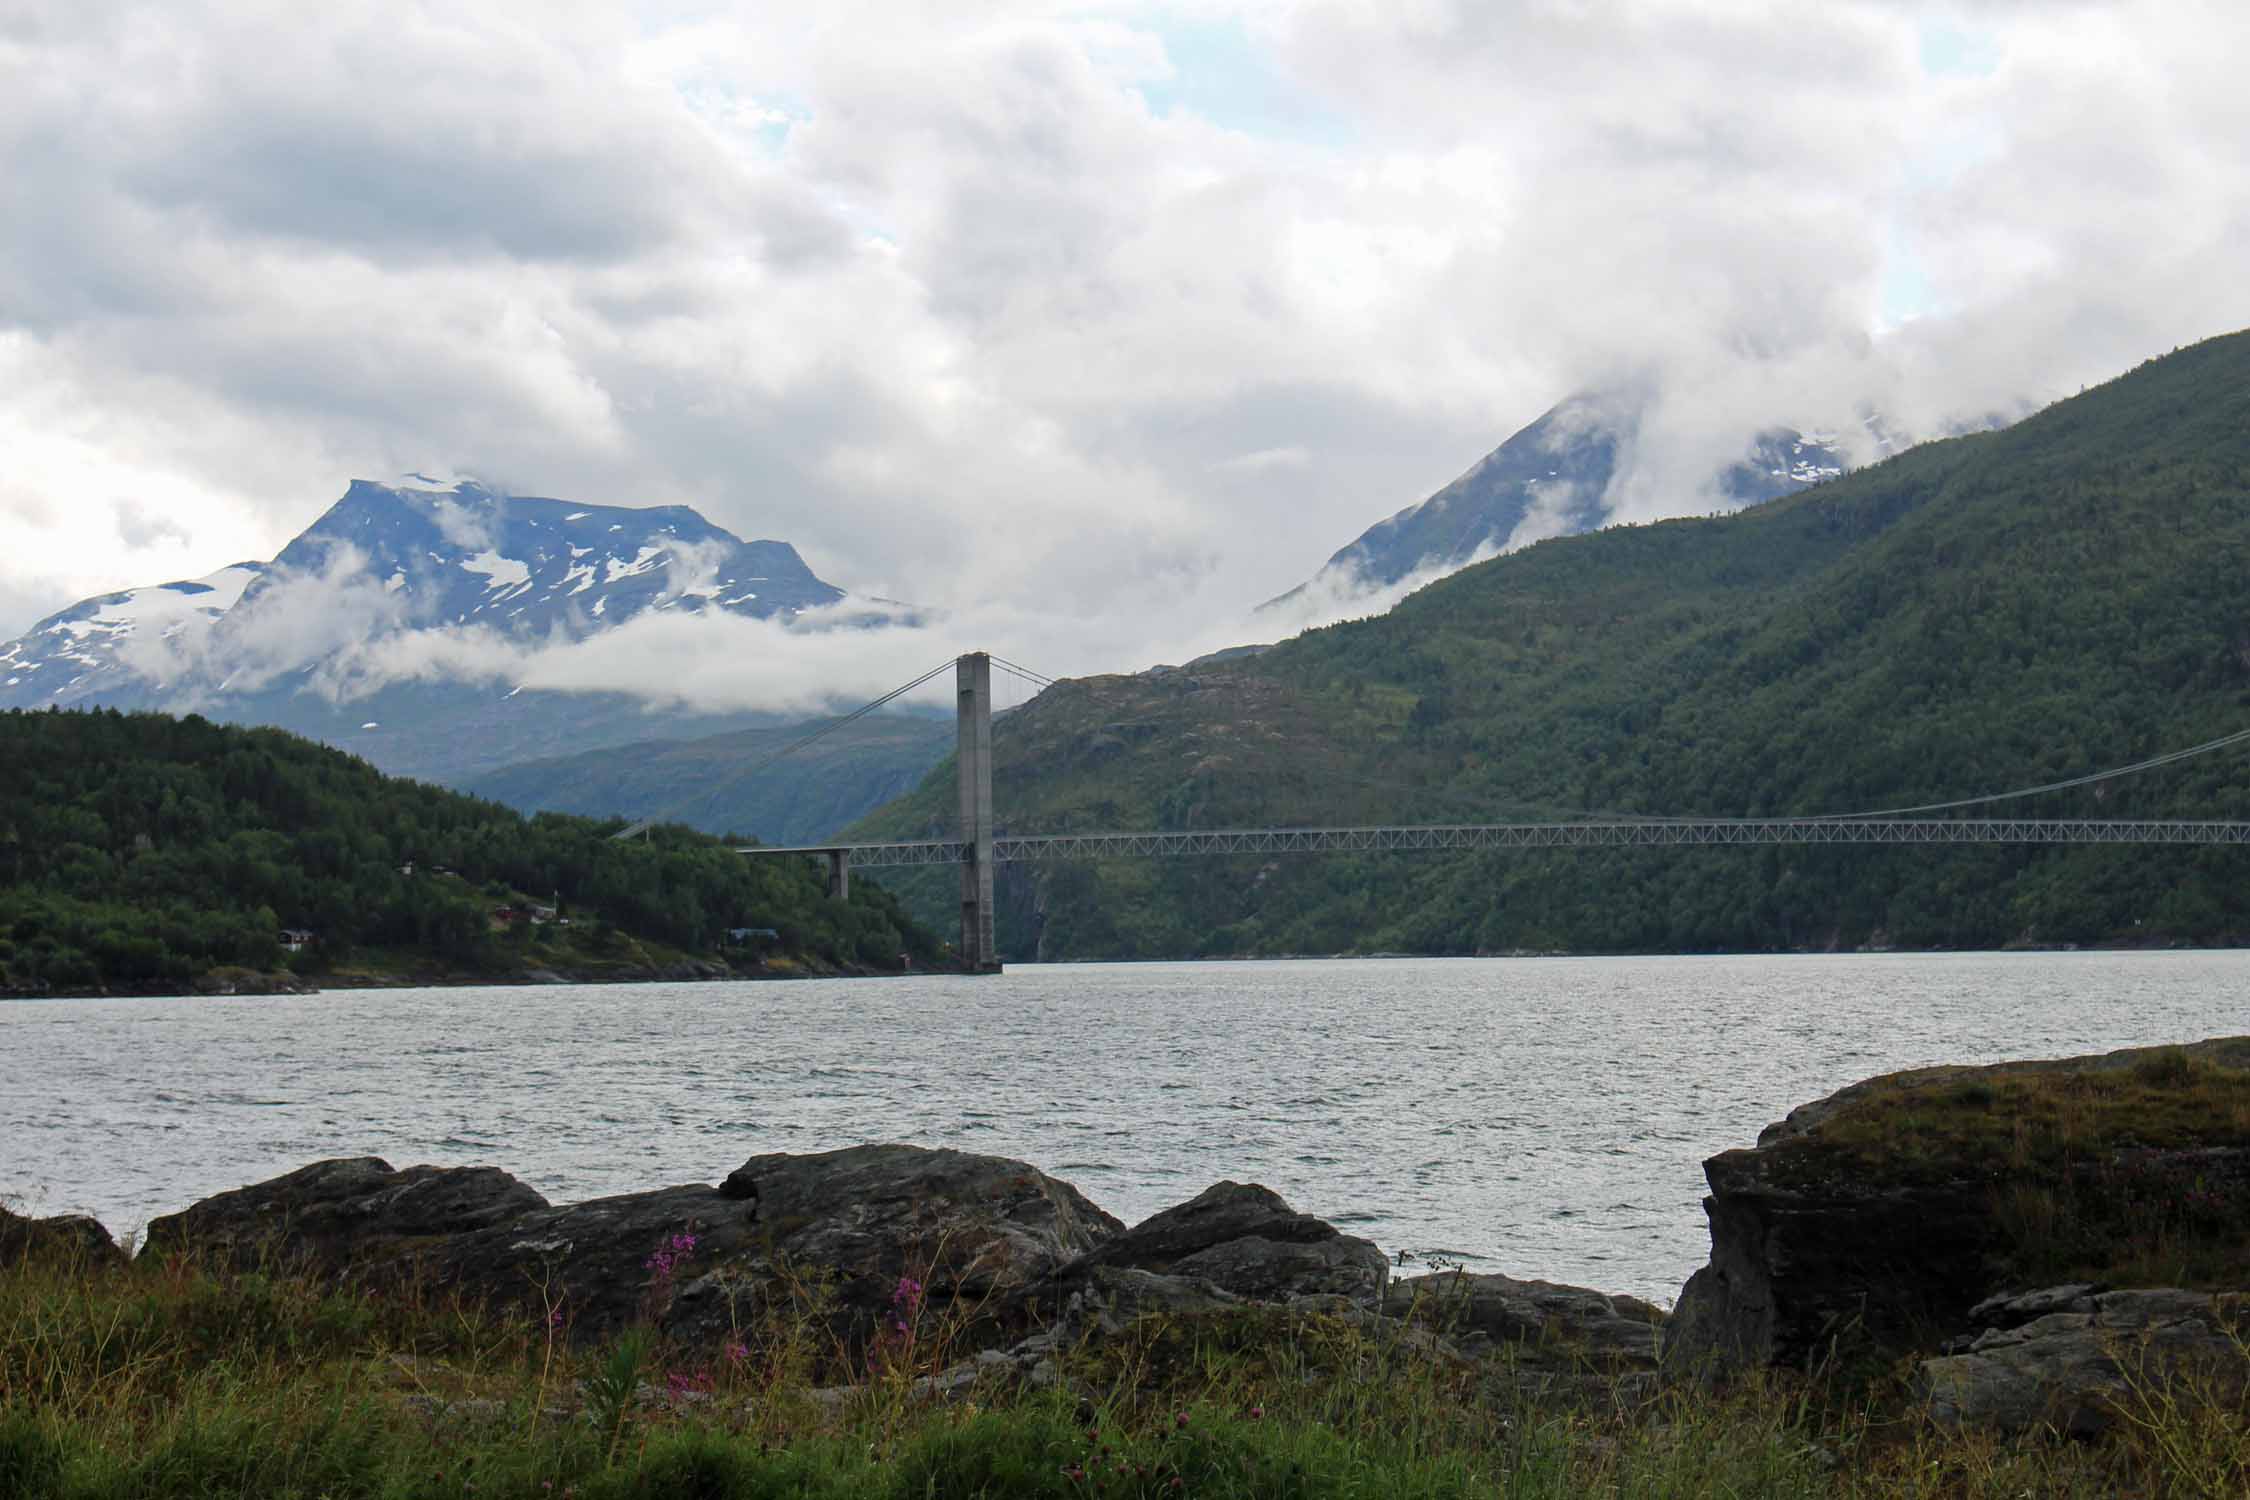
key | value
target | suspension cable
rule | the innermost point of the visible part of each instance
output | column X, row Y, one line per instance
column 1040, row 678
column 1037, row 683
column 2167, row 758
column 643, row 825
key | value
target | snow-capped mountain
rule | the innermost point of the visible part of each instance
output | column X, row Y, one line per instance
column 529, row 567
column 395, row 565
column 390, row 558
column 1555, row 478
column 66, row 652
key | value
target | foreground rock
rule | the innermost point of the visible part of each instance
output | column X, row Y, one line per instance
column 832, row 1234
column 881, row 1243
column 1484, row 1314
column 1246, row 1241
column 353, row 1211
column 1891, row 1208
column 2074, row 1359
column 66, row 1240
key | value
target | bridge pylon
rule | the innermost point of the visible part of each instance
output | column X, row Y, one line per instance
column 973, row 678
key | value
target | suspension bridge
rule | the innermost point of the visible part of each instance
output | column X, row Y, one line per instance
column 979, row 849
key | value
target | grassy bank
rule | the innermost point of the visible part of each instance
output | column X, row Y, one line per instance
column 162, row 1378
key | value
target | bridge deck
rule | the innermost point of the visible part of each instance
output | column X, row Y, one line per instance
column 1608, row 834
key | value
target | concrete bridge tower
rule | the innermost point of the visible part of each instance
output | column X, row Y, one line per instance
column 973, row 676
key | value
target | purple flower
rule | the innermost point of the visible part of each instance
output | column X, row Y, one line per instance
column 668, row 1257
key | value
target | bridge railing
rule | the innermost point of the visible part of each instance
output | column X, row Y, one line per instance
column 1649, row 832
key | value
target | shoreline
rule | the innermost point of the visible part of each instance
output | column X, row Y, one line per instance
column 249, row 983
column 272, row 984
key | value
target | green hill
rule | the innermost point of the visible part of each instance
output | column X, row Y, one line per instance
column 799, row 798
column 144, row 852
column 1974, row 615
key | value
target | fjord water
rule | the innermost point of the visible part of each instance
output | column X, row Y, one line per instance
column 1543, row 1117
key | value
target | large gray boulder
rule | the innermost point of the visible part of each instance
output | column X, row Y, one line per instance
column 354, row 1211
column 1247, row 1241
column 2072, row 1359
column 962, row 1223
column 1482, row 1314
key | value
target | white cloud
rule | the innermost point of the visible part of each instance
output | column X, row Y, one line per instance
column 1294, row 456
column 1007, row 310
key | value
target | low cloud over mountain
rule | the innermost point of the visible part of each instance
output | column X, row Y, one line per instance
column 1131, row 314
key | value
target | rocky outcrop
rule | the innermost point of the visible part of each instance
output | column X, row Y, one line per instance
column 870, row 1238
column 68, row 1240
column 976, row 1225
column 2073, row 1358
column 353, row 1211
column 838, row 1233
column 1245, row 1240
column 1482, row 1314
column 1890, row 1208
column 1799, row 1269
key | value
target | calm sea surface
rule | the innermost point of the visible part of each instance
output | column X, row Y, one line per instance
column 1544, row 1117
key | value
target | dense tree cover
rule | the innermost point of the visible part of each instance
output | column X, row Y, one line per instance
column 141, row 849
column 1974, row 615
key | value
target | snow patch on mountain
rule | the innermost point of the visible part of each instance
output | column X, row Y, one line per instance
column 503, row 572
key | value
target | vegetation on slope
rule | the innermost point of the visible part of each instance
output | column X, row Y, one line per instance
column 160, row 1378
column 1973, row 615
column 799, row 799
column 142, row 851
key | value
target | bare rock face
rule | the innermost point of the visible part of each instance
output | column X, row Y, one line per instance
column 977, row 1224
column 595, row 1267
column 1105, row 1299
column 1480, row 1314
column 1247, row 1241
column 2072, row 1358
column 72, row 1241
column 344, row 1212
column 1798, row 1269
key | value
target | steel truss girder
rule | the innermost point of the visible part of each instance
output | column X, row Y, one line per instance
column 1611, row 834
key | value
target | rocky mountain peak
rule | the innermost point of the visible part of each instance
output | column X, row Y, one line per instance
column 415, row 554
column 1559, row 476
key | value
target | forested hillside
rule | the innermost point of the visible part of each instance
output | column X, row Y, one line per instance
column 734, row 782
column 1974, row 615
column 141, row 851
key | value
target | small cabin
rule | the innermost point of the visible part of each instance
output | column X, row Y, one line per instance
column 294, row 939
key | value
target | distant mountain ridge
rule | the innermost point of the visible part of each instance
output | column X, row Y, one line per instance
column 1554, row 478
column 403, row 557
column 275, row 642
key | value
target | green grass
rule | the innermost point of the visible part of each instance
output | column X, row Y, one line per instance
column 163, row 1378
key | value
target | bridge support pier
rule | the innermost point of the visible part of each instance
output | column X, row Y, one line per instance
column 973, row 677
column 839, row 874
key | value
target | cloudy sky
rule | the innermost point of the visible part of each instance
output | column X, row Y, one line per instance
column 1124, row 317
